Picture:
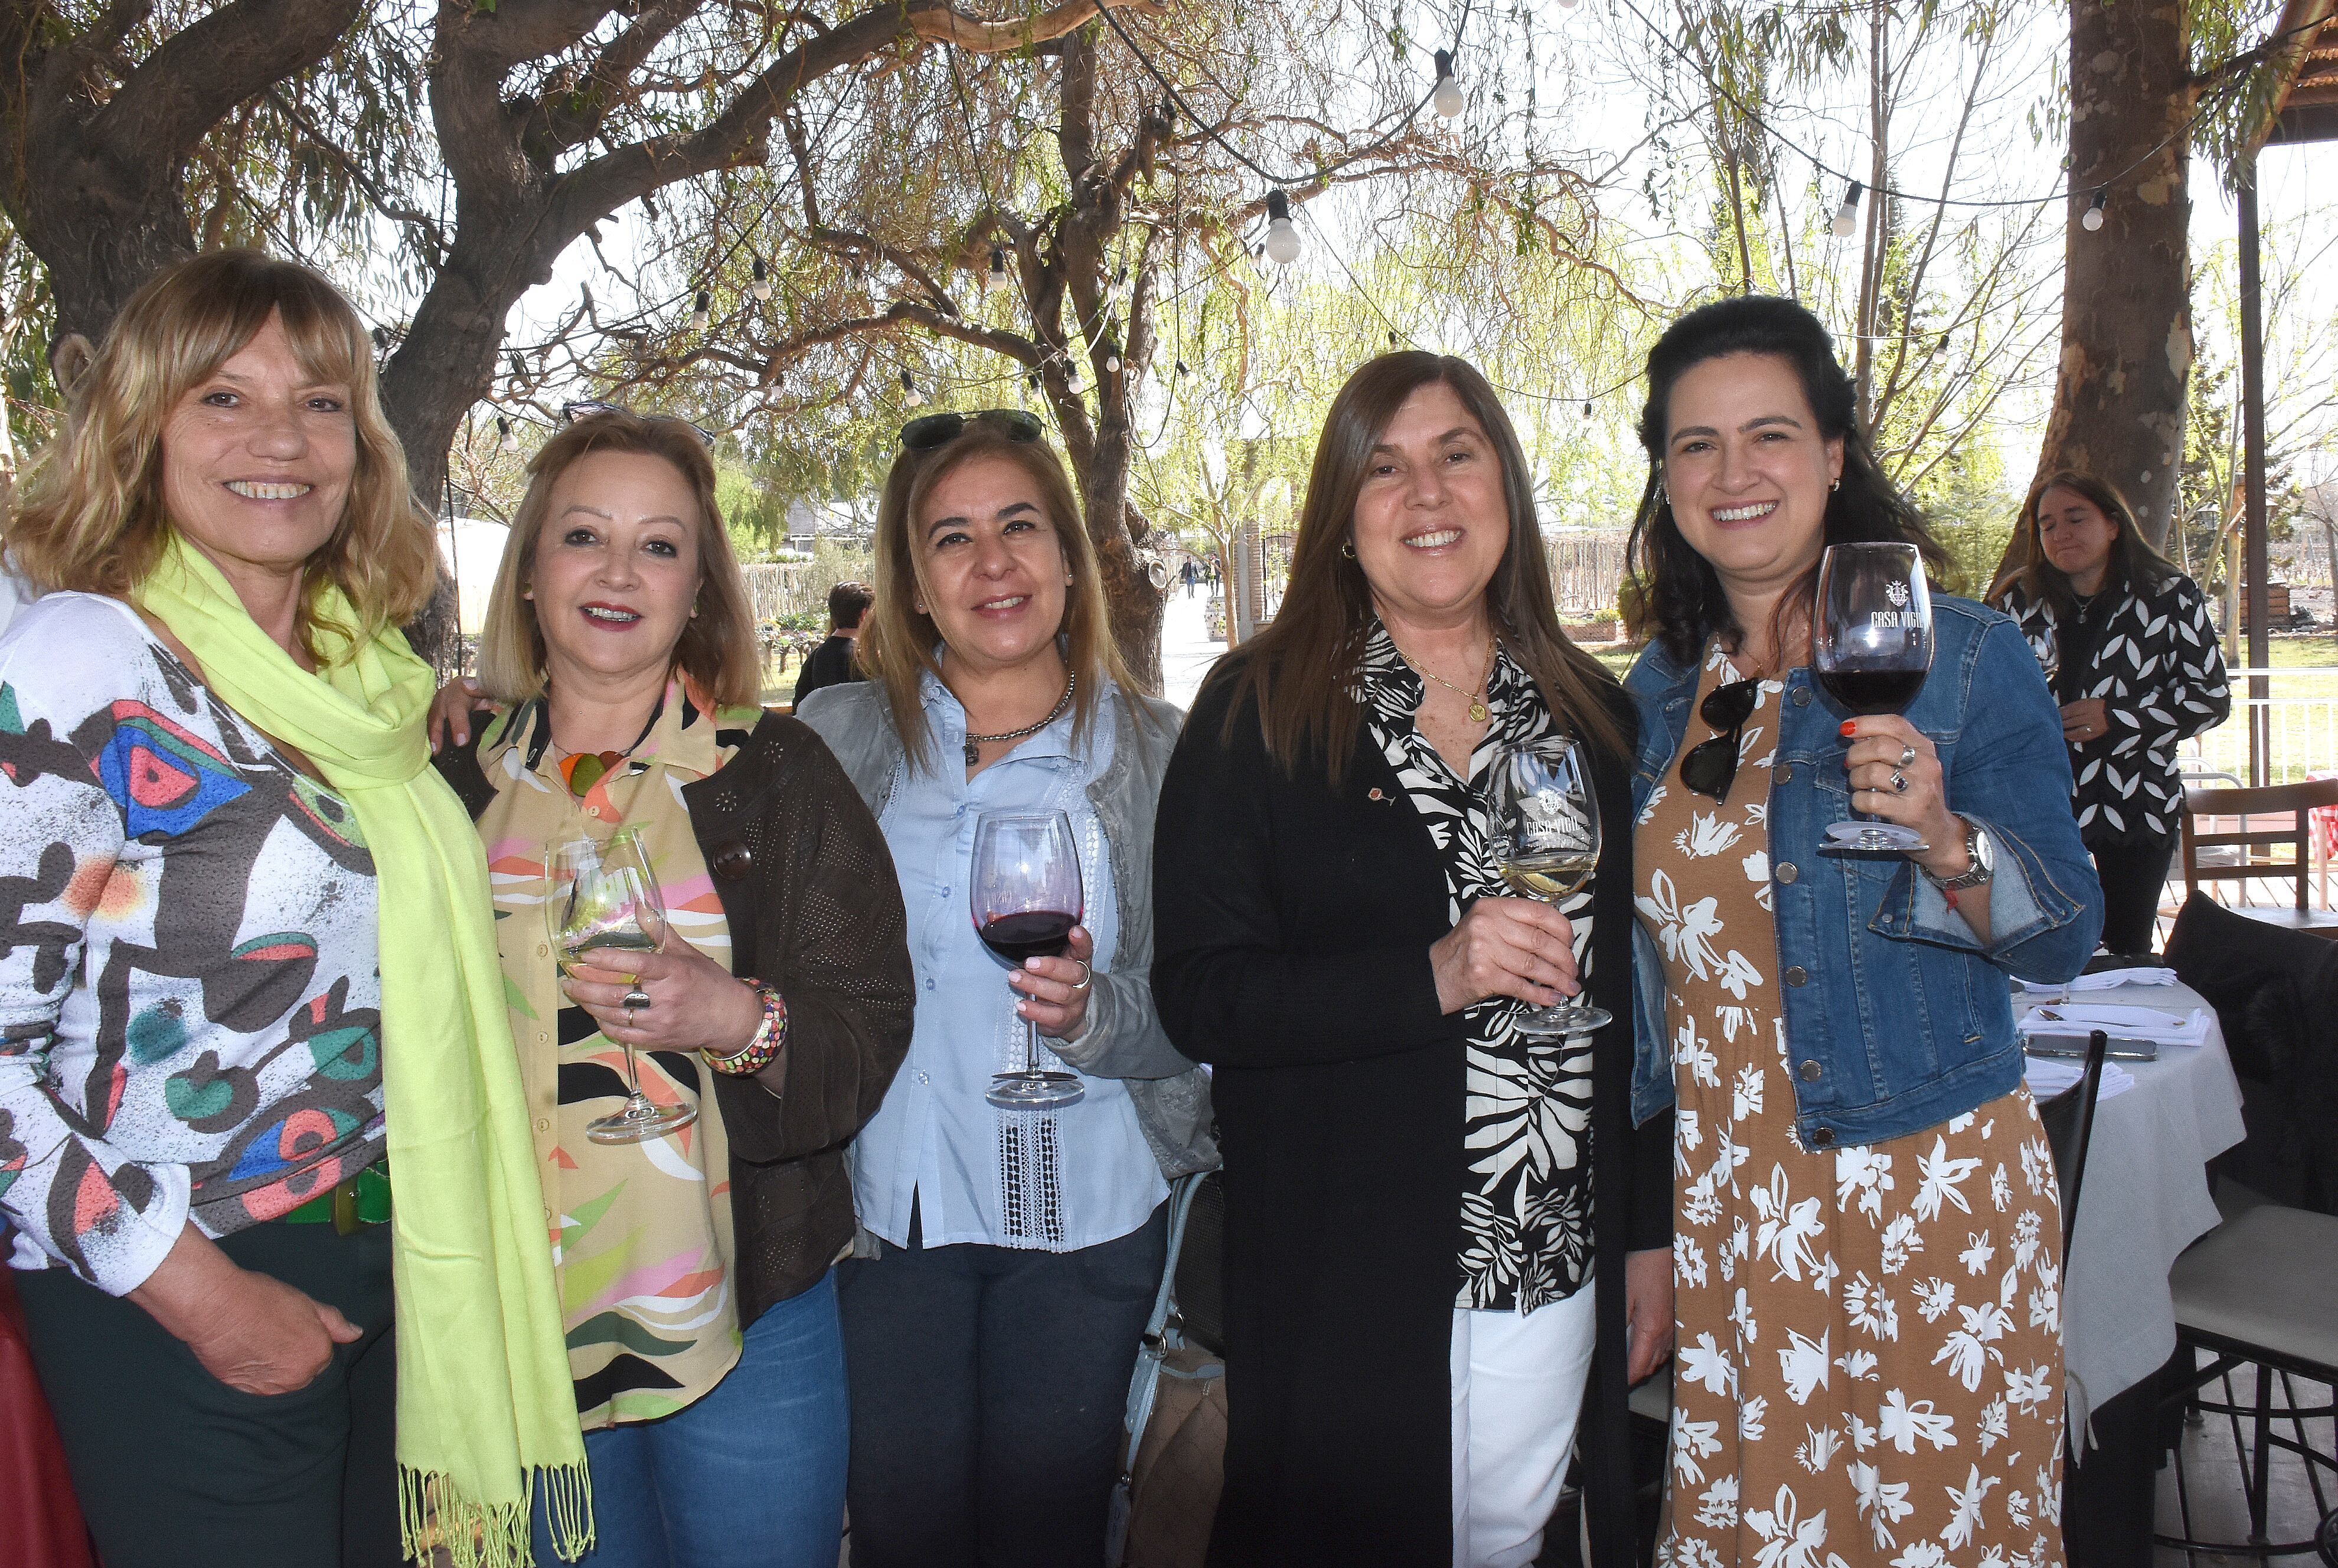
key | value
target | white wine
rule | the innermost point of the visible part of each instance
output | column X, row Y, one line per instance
column 1549, row 877
column 627, row 940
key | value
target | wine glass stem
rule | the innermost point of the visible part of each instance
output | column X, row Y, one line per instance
column 1030, row 1046
column 633, row 1072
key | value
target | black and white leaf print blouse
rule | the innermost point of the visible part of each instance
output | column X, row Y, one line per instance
column 1525, row 1212
column 2161, row 677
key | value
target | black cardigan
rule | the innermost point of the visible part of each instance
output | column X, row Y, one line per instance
column 1293, row 926
column 808, row 889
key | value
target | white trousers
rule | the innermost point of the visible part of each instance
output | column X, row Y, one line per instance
column 1517, row 1390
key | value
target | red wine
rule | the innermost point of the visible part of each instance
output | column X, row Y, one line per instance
column 1865, row 692
column 1032, row 933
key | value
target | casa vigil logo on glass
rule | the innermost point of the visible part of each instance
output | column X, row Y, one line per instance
column 1546, row 842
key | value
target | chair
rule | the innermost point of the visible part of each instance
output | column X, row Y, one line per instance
column 2262, row 1290
column 2295, row 801
column 2069, row 1119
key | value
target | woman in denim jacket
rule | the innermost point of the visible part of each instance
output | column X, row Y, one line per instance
column 1866, row 1252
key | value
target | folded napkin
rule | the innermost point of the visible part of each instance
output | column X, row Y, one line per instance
column 2081, row 1018
column 2049, row 1075
column 2104, row 980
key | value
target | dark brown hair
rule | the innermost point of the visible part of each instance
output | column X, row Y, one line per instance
column 2133, row 560
column 1298, row 670
column 898, row 638
column 847, row 602
column 718, row 651
column 1673, row 593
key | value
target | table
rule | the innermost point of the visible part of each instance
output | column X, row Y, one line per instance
column 2144, row 1199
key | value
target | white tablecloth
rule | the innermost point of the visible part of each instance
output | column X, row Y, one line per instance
column 2142, row 1200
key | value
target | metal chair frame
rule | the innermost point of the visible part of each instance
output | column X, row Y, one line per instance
column 2255, row 1456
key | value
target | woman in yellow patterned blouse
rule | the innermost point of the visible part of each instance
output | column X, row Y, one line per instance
column 693, row 1267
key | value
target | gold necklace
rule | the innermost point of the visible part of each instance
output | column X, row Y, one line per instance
column 1476, row 702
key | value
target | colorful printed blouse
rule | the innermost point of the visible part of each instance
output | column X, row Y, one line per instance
column 640, row 1232
column 190, row 1002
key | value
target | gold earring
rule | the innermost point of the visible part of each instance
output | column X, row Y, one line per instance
column 1348, row 548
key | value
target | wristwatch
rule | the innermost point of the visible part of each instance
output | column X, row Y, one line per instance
column 1982, row 851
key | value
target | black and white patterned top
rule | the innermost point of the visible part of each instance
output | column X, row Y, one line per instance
column 2161, row 677
column 1525, row 1211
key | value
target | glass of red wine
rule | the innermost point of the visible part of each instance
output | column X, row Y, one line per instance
column 1871, row 649
column 1026, row 896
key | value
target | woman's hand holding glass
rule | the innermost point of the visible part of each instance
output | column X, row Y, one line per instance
column 1878, row 743
column 695, row 1004
column 1505, row 948
column 1056, row 990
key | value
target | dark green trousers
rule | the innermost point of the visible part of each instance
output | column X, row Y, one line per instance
column 174, row 1469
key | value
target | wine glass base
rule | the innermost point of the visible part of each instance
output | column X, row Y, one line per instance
column 1567, row 1018
column 639, row 1122
column 1888, row 838
column 1034, row 1090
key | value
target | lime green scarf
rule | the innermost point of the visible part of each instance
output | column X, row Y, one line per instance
column 484, row 1402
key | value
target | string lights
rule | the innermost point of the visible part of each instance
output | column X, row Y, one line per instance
column 1846, row 216
column 1446, row 97
column 701, row 311
column 1281, row 237
column 2093, row 221
column 910, row 392
column 996, row 276
column 761, row 287
column 509, row 437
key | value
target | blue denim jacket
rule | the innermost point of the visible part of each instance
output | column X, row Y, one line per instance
column 1896, row 1017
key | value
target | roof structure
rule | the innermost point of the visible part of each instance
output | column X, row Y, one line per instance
column 2308, row 111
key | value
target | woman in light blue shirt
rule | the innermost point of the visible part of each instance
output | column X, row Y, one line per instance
column 1010, row 1256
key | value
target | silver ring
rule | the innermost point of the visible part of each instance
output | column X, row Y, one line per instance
column 1899, row 782
column 1906, row 755
column 636, row 999
column 1086, row 974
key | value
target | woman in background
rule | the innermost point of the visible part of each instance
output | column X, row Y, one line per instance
column 1011, row 1256
column 2126, row 643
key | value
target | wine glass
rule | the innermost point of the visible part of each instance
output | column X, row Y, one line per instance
column 1025, row 897
column 1870, row 650
column 1545, row 837
column 603, row 899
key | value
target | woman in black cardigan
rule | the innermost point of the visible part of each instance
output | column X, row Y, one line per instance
column 1415, row 1274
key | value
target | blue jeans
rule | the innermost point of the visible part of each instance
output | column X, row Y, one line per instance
column 750, row 1477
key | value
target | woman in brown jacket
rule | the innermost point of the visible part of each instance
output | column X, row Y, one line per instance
column 693, row 1265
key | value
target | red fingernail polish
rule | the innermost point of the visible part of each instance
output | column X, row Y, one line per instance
column 1850, row 726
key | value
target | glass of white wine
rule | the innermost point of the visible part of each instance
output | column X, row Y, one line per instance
column 1545, row 834
column 602, row 902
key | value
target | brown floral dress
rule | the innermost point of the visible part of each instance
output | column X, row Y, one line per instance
column 1870, row 1357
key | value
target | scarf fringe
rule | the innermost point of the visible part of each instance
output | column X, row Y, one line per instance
column 433, row 1515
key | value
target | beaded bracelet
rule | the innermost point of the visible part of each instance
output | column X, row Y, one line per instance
column 770, row 1037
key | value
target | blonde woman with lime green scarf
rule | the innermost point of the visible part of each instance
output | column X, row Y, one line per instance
column 247, row 970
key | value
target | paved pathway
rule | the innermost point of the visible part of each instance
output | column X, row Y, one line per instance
column 1187, row 651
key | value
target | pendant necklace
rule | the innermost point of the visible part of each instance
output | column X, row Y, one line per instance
column 1478, row 703
column 974, row 743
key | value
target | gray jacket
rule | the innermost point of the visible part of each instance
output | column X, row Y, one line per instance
column 1125, row 1038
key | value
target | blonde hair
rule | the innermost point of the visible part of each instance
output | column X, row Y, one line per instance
column 718, row 652
column 897, row 639
column 89, row 515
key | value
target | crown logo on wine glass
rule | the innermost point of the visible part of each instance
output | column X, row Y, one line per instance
column 1897, row 592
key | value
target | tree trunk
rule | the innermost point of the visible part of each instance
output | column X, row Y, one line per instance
column 2126, row 309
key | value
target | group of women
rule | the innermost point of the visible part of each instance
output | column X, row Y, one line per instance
column 252, row 950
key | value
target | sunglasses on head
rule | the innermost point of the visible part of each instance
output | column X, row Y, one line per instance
column 573, row 412
column 1711, row 766
column 928, row 431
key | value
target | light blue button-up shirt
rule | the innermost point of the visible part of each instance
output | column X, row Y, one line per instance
column 1054, row 1181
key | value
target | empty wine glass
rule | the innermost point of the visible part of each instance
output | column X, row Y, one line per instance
column 603, row 899
column 1871, row 649
column 1544, row 822
column 1025, row 897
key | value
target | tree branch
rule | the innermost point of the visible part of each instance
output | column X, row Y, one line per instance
column 190, row 83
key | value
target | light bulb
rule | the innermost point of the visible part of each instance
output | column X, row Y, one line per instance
column 915, row 399
column 703, row 310
column 1282, row 238
column 761, row 287
column 1112, row 364
column 510, row 436
column 1566, row 5
column 1846, row 216
column 997, row 273
column 1447, row 100
column 2093, row 219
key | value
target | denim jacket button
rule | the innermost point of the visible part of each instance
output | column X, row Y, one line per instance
column 1810, row 1072
column 1803, row 697
column 1787, row 871
column 1797, row 976
column 1822, row 1137
column 1786, row 774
